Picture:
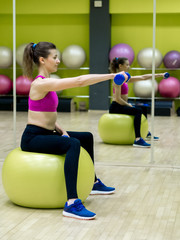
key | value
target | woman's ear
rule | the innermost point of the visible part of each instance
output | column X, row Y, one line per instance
column 120, row 66
column 41, row 60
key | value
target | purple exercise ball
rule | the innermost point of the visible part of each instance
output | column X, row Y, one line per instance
column 5, row 84
column 122, row 50
column 172, row 59
column 169, row 87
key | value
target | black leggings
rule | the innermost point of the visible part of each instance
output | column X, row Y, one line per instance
column 37, row 139
column 135, row 111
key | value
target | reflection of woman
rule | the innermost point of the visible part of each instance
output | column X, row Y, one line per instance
column 120, row 100
column 44, row 135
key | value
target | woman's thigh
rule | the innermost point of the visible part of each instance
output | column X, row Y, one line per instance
column 52, row 144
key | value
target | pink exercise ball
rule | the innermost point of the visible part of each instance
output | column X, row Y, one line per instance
column 23, row 85
column 172, row 59
column 5, row 84
column 122, row 50
column 169, row 87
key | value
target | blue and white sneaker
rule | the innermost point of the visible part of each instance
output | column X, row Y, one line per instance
column 148, row 137
column 100, row 189
column 141, row 143
column 77, row 210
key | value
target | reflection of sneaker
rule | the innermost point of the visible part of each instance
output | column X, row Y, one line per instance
column 141, row 143
column 77, row 210
column 148, row 137
column 100, row 189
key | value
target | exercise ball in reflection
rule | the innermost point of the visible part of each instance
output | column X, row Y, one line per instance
column 122, row 50
column 172, row 59
column 6, row 57
column 145, row 57
column 73, row 56
column 5, row 84
column 19, row 54
column 169, row 87
column 144, row 88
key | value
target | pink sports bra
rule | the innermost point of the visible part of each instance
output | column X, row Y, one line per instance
column 124, row 89
column 47, row 104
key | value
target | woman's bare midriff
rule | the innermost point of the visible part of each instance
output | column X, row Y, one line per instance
column 45, row 120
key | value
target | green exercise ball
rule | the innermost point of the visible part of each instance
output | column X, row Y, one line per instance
column 37, row 180
column 119, row 128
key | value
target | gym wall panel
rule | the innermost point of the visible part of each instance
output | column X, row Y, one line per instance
column 6, row 7
column 141, row 6
column 53, row 7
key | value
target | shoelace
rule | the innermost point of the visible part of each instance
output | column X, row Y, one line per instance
column 99, row 181
column 79, row 206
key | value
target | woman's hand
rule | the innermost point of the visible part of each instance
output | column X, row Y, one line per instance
column 65, row 134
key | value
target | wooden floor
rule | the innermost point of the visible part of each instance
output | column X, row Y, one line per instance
column 146, row 205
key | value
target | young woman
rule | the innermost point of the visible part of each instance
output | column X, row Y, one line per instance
column 120, row 100
column 43, row 134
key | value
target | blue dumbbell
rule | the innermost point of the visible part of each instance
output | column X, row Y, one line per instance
column 120, row 78
column 64, row 135
column 166, row 75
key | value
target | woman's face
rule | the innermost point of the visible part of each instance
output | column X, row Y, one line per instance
column 52, row 61
column 124, row 67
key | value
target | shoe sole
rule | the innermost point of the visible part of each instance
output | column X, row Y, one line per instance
column 134, row 145
column 71, row 215
column 94, row 192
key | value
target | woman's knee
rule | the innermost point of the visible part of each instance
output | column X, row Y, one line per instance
column 75, row 143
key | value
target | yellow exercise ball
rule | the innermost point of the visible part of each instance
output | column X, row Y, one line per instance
column 119, row 128
column 37, row 180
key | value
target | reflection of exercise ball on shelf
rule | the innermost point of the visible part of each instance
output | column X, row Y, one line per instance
column 144, row 88
column 6, row 57
column 145, row 56
column 122, row 50
column 73, row 56
column 5, row 84
column 172, row 59
column 19, row 54
column 169, row 87
column 23, row 85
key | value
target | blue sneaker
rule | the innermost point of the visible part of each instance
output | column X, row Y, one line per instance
column 77, row 210
column 100, row 189
column 148, row 137
column 141, row 143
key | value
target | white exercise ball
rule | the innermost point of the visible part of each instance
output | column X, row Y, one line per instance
column 6, row 57
column 145, row 57
column 144, row 88
column 19, row 54
column 73, row 56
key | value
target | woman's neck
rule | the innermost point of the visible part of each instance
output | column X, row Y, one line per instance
column 43, row 72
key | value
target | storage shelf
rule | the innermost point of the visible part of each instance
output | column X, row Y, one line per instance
column 161, row 69
column 20, row 68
